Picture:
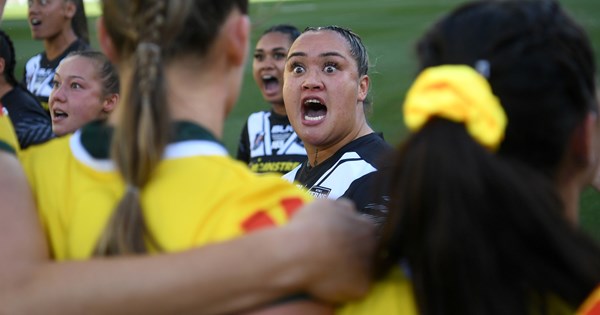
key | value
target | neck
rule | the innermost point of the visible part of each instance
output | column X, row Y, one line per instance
column 56, row 45
column 279, row 109
column 570, row 197
column 202, row 99
column 318, row 154
column 569, row 187
column 5, row 88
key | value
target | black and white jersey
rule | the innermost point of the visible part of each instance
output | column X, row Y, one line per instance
column 39, row 72
column 349, row 173
column 31, row 122
column 269, row 144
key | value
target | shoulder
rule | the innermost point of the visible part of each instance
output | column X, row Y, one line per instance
column 391, row 295
column 33, row 61
column 22, row 97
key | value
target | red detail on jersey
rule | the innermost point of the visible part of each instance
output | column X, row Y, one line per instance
column 594, row 310
column 291, row 205
column 257, row 221
column 592, row 305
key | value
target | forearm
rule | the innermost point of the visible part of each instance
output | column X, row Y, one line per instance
column 214, row 279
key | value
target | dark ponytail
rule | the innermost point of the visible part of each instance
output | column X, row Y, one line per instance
column 79, row 22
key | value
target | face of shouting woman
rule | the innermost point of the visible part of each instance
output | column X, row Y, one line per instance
column 324, row 92
column 268, row 65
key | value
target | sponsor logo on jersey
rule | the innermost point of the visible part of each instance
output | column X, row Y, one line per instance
column 320, row 192
column 282, row 129
column 258, row 140
column 275, row 166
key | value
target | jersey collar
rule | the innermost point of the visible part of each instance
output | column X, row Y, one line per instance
column 91, row 144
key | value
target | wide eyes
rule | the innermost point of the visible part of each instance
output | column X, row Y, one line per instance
column 297, row 69
column 328, row 68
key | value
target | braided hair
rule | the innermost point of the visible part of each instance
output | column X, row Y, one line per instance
column 149, row 34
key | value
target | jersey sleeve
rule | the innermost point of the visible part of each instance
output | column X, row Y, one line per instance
column 266, row 202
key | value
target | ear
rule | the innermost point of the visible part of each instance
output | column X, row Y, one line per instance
column 238, row 34
column 363, row 87
column 583, row 141
column 110, row 103
column 70, row 9
column 106, row 43
column 2, row 65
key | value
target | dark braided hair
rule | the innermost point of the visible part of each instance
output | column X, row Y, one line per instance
column 482, row 232
column 291, row 31
column 7, row 52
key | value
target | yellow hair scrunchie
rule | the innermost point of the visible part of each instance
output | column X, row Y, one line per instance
column 457, row 93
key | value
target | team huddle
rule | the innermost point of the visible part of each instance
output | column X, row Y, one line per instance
column 119, row 196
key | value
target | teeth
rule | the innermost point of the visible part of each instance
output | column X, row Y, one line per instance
column 314, row 101
column 35, row 21
column 313, row 118
column 267, row 77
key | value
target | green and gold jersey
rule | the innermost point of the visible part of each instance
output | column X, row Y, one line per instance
column 197, row 194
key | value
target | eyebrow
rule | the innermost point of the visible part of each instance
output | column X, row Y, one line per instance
column 325, row 54
column 76, row 77
column 274, row 49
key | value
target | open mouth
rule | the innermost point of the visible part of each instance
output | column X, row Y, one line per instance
column 270, row 83
column 35, row 22
column 58, row 115
column 313, row 109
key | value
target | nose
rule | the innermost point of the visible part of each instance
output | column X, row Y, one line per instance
column 266, row 64
column 57, row 95
column 312, row 81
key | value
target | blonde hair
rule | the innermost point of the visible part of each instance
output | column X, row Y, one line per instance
column 150, row 34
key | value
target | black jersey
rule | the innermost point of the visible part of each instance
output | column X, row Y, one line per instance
column 349, row 173
column 31, row 122
column 39, row 72
column 269, row 144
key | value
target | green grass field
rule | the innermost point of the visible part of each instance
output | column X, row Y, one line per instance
column 389, row 29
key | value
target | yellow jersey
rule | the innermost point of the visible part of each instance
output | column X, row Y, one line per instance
column 392, row 295
column 8, row 137
column 197, row 194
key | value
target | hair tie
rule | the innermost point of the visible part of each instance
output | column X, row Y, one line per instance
column 457, row 93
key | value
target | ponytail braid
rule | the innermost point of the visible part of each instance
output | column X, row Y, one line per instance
column 142, row 134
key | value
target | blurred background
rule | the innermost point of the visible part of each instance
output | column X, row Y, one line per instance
column 389, row 29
